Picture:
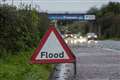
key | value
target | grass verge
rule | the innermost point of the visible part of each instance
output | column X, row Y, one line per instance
column 17, row 67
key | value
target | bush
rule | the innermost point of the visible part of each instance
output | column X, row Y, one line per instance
column 20, row 29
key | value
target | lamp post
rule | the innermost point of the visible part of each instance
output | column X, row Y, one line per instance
column 32, row 3
column 12, row 2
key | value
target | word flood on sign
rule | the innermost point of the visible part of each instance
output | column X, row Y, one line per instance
column 52, row 55
column 52, row 49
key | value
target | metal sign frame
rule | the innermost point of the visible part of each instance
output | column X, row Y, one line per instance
column 63, row 44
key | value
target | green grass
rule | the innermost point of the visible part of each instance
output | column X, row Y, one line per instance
column 17, row 67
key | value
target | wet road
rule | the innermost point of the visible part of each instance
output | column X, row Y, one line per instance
column 98, row 62
column 109, row 44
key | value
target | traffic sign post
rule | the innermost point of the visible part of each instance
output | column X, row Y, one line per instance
column 75, row 67
column 52, row 49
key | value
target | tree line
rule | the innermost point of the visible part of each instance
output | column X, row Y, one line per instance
column 107, row 20
column 20, row 29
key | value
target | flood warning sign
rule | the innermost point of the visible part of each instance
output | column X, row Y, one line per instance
column 52, row 49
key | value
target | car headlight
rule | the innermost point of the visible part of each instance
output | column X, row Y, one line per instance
column 72, row 41
column 66, row 35
column 75, row 37
column 89, row 36
column 66, row 41
column 95, row 36
column 71, row 35
column 81, row 37
column 83, row 40
column 75, row 41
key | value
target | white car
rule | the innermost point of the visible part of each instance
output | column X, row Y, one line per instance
column 92, row 37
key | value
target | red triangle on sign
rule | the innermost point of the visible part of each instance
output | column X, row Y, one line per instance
column 52, row 49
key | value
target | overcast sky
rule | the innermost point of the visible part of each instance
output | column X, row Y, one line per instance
column 64, row 5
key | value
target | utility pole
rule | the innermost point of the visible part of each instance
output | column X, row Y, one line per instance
column 21, row 2
column 32, row 3
column 12, row 2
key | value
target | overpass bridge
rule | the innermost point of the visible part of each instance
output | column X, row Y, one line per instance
column 66, row 18
column 71, row 16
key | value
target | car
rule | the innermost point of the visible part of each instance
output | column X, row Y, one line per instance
column 69, row 35
column 92, row 37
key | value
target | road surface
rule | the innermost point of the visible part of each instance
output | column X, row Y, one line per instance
column 99, row 62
